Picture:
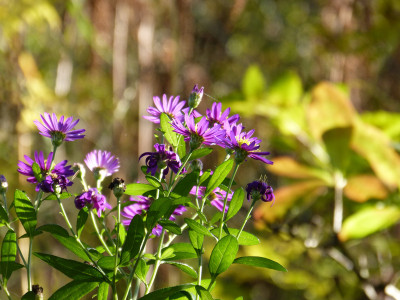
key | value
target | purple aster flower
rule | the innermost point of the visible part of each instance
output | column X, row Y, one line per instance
column 59, row 130
column 52, row 176
column 140, row 206
column 259, row 189
column 199, row 133
column 195, row 96
column 216, row 116
column 101, row 163
column 162, row 159
column 172, row 107
column 93, row 199
column 243, row 144
column 216, row 197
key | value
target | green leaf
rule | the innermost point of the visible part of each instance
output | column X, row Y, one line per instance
column 184, row 186
column 64, row 195
column 25, row 211
column 245, row 239
column 219, row 175
column 153, row 181
column 337, row 142
column 199, row 153
column 368, row 221
column 167, row 253
column 197, row 227
column 106, row 262
column 81, row 220
column 121, row 233
column 3, row 215
column 135, row 189
column 162, row 294
column 261, row 262
column 8, row 253
column 74, row 290
column 183, row 251
column 170, row 226
column 166, row 127
column 157, row 209
column 29, row 296
column 71, row 268
column 286, row 91
column 181, row 149
column 134, row 239
column 235, row 204
column 183, row 267
column 204, row 177
column 253, row 84
column 182, row 295
column 196, row 240
column 141, row 270
column 69, row 242
column 203, row 293
column 102, row 293
column 37, row 172
column 223, row 255
column 8, row 267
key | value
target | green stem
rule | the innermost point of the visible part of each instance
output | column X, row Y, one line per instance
column 4, row 287
column 64, row 214
column 129, row 283
column 226, row 199
column 100, row 236
column 28, row 267
column 171, row 184
column 137, row 286
column 5, row 201
column 340, row 183
column 157, row 263
column 117, row 247
column 248, row 216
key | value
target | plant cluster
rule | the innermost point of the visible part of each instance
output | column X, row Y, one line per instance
column 177, row 188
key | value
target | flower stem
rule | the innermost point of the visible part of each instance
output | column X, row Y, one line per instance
column 28, row 267
column 129, row 282
column 340, row 183
column 226, row 199
column 4, row 287
column 64, row 214
column 100, row 236
column 117, row 247
column 157, row 263
column 248, row 216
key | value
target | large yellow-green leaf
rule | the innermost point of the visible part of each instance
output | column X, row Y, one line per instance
column 376, row 148
column 288, row 167
column 361, row 188
column 329, row 108
column 337, row 144
column 253, row 84
column 286, row 90
column 368, row 221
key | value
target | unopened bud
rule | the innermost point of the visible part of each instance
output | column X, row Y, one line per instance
column 38, row 290
column 195, row 96
column 118, row 187
column 3, row 184
column 197, row 165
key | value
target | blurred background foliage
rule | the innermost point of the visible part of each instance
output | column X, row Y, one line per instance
column 318, row 80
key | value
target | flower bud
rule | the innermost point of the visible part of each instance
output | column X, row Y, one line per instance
column 195, row 96
column 79, row 170
column 197, row 165
column 118, row 187
column 258, row 189
column 38, row 291
column 3, row 184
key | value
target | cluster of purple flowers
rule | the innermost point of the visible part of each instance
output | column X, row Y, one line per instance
column 92, row 199
column 140, row 206
column 215, row 128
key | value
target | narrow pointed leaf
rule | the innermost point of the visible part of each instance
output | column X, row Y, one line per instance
column 196, row 240
column 245, row 238
column 183, row 251
column 183, row 267
column 219, row 175
column 64, row 195
column 157, row 210
column 203, row 293
column 81, row 220
column 134, row 189
column 170, row 226
column 142, row 269
column 37, row 172
column 181, row 149
column 199, row 153
column 71, row 268
column 197, row 227
column 184, row 186
column 153, row 181
column 261, row 262
column 166, row 127
column 162, row 294
column 25, row 211
column 133, row 240
column 102, row 293
column 3, row 215
column 223, row 255
column 74, row 290
column 235, row 204
column 8, row 253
